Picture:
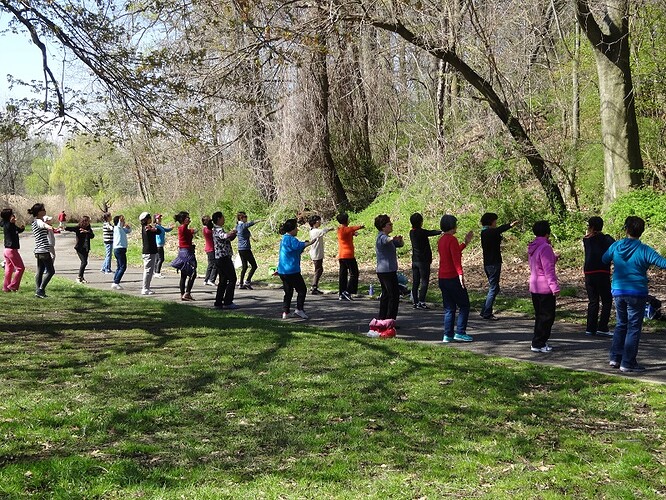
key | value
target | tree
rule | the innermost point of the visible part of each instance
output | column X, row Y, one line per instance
column 623, row 163
column 16, row 151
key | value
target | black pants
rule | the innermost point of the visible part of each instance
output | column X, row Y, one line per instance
column 45, row 270
column 544, row 317
column 598, row 287
column 293, row 282
column 83, row 257
column 348, row 268
column 318, row 271
column 247, row 258
column 187, row 282
column 420, row 281
column 226, row 284
column 160, row 260
column 390, row 299
column 211, row 270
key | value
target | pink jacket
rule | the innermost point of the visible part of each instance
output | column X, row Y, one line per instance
column 542, row 258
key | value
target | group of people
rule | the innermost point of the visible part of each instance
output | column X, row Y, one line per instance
column 628, row 288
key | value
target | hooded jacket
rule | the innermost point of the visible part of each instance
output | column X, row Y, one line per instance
column 631, row 259
column 542, row 258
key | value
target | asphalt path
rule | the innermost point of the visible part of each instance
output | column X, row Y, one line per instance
column 509, row 337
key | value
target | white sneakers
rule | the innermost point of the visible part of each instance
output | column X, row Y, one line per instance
column 298, row 312
column 147, row 291
column 116, row 286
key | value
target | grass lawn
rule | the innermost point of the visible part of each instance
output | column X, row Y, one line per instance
column 113, row 396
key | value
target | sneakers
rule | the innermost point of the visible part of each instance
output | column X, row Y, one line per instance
column 633, row 369
column 248, row 286
column 284, row 315
column 186, row 297
column 40, row 294
column 242, row 286
column 209, row 283
column 345, row 296
column 81, row 280
column 614, row 364
column 545, row 348
column 421, row 305
column 604, row 334
column 231, row 306
column 589, row 333
column 116, row 286
column 316, row 291
column 458, row 337
column 147, row 291
column 301, row 314
column 159, row 276
column 492, row 317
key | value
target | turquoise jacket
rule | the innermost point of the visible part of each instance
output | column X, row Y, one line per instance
column 291, row 249
column 631, row 259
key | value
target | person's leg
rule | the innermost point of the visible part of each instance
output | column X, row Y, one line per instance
column 41, row 267
column 182, row 283
column 620, row 333
column 416, row 281
column 493, row 273
column 301, row 291
column 221, row 284
column 49, row 270
column 604, row 287
column 394, row 296
column 190, row 281
column 14, row 267
column 635, row 315
column 148, row 269
column 384, row 298
column 243, row 256
column 106, row 265
column 121, row 264
column 544, row 317
column 449, row 307
column 318, row 271
column 592, row 321
column 83, row 262
column 229, row 271
column 253, row 266
column 461, row 298
column 212, row 264
column 343, row 275
column 159, row 260
column 9, row 270
column 425, row 281
column 288, row 292
column 352, row 287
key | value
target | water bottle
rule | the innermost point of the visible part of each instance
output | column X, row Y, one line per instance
column 371, row 290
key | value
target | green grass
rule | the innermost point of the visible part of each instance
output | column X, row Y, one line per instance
column 109, row 396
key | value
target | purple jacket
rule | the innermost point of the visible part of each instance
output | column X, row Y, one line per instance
column 543, row 279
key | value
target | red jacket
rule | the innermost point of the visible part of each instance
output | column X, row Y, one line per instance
column 450, row 257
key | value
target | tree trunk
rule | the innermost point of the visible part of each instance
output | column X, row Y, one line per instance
column 623, row 164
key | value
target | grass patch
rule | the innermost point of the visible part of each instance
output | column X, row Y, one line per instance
column 114, row 396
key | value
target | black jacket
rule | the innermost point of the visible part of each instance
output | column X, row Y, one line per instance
column 595, row 246
column 421, row 251
column 12, row 232
column 491, row 239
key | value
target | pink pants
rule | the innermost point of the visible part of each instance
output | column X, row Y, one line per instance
column 14, row 268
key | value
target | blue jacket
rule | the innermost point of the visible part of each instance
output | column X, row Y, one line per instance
column 161, row 234
column 291, row 249
column 631, row 260
column 243, row 234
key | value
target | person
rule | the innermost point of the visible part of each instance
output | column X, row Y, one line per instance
column 631, row 259
column 45, row 268
column 289, row 268
column 224, row 298
column 491, row 240
column 209, row 248
column 421, row 259
column 84, row 233
column 451, row 280
column 62, row 219
column 387, row 267
column 50, row 234
column 14, row 266
column 544, row 286
column 186, row 261
column 317, row 251
column 245, row 249
column 107, row 238
column 597, row 278
column 148, row 251
column 160, row 240
column 348, row 277
column 120, row 231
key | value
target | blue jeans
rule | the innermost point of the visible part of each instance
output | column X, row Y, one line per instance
column 121, row 264
column 454, row 295
column 629, row 312
column 493, row 272
column 106, row 267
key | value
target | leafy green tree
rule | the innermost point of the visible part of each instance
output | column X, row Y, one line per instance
column 38, row 181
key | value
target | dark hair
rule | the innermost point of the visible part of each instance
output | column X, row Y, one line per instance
column 240, row 215
column 313, row 219
column 381, row 221
column 634, row 226
column 288, row 226
column 216, row 217
column 541, row 228
column 488, row 218
column 342, row 218
column 6, row 214
column 106, row 216
column 416, row 219
column 596, row 223
column 116, row 219
column 448, row 222
column 180, row 216
column 85, row 217
column 36, row 208
column 207, row 221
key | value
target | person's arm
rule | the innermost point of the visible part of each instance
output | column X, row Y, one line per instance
column 71, row 229
column 548, row 259
column 91, row 233
column 432, row 232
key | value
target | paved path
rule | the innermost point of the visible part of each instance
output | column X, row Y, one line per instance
column 509, row 337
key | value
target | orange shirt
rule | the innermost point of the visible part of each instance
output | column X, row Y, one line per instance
column 346, row 241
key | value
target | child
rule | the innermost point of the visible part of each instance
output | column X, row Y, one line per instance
column 543, row 285
column 120, row 231
column 224, row 298
column 421, row 259
column 245, row 249
column 186, row 261
column 289, row 268
column 452, row 281
column 387, row 267
column 346, row 259
column 491, row 239
column 317, row 251
column 597, row 278
column 107, row 237
column 14, row 266
column 84, row 234
column 148, row 251
column 160, row 240
column 209, row 248
column 45, row 269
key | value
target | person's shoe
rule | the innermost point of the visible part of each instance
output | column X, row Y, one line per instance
column 316, row 291
column 415, row 305
column 40, row 294
column 79, row 280
column 301, row 314
column 231, row 306
column 209, row 283
column 589, row 333
column 614, row 364
column 147, row 291
column 116, row 286
column 187, row 296
column 242, row 286
column 604, row 334
column 632, row 369
column 285, row 315
column 492, row 317
column 248, row 286
column 159, row 276
column 422, row 306
column 545, row 348
column 462, row 337
column 447, row 340
column 345, row 296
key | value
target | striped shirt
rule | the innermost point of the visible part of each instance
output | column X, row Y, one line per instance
column 107, row 233
column 40, row 230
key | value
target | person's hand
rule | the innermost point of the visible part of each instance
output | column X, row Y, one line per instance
column 468, row 237
column 514, row 223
